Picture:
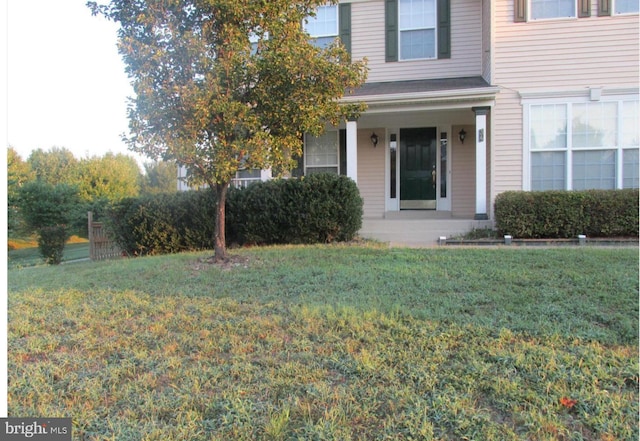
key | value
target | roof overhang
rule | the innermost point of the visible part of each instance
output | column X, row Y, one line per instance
column 453, row 93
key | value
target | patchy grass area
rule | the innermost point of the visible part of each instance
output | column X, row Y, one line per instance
column 332, row 342
column 30, row 255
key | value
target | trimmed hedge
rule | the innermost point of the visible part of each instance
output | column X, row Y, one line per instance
column 565, row 214
column 319, row 208
column 315, row 209
column 164, row 223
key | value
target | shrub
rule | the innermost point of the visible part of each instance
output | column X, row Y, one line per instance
column 563, row 214
column 164, row 223
column 319, row 208
column 51, row 242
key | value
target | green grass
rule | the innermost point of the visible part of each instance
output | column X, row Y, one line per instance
column 30, row 256
column 332, row 342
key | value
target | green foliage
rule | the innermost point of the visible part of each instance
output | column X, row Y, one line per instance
column 320, row 208
column 332, row 342
column 55, row 166
column 51, row 242
column 159, row 177
column 563, row 214
column 216, row 100
column 112, row 177
column 18, row 173
column 47, row 205
column 164, row 223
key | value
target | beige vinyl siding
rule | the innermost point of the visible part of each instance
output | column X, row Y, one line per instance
column 486, row 40
column 463, row 173
column 371, row 166
column 564, row 55
column 367, row 31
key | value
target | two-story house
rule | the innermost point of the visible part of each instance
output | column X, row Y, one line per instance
column 470, row 98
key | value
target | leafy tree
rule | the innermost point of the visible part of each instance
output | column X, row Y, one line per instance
column 18, row 173
column 159, row 177
column 55, row 166
column 112, row 177
column 226, row 84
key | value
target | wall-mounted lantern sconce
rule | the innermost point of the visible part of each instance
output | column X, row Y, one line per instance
column 462, row 135
column 374, row 139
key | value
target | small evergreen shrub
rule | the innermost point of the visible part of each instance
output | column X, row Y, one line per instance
column 565, row 214
column 164, row 223
column 51, row 241
column 320, row 208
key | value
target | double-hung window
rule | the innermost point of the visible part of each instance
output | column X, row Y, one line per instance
column 525, row 10
column 417, row 29
column 321, row 153
column 583, row 145
column 323, row 28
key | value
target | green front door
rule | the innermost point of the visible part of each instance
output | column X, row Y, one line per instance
column 418, row 168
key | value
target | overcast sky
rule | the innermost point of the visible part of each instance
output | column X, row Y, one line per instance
column 66, row 81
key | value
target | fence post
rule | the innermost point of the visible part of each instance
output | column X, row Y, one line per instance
column 91, row 238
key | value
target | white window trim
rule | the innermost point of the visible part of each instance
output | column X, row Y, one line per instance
column 337, row 23
column 568, row 17
column 337, row 164
column 570, row 98
column 614, row 12
column 435, row 30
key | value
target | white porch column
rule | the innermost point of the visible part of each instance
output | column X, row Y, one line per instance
column 352, row 150
column 481, row 162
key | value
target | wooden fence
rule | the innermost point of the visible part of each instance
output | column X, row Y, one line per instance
column 101, row 247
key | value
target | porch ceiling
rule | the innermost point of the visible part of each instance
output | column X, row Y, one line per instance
column 441, row 93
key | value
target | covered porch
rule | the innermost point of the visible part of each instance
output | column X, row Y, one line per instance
column 421, row 156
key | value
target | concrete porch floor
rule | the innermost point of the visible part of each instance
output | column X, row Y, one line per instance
column 417, row 228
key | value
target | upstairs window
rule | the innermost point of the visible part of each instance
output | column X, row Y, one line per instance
column 329, row 23
column 323, row 28
column 626, row 6
column 417, row 29
column 541, row 9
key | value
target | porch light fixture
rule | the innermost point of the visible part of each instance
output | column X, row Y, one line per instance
column 374, row 139
column 462, row 135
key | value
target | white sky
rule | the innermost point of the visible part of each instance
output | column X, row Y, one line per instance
column 66, row 81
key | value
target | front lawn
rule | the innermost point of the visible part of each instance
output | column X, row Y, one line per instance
column 332, row 342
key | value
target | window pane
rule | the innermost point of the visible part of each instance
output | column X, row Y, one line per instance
column 313, row 170
column 547, row 171
column 630, row 136
column 417, row 14
column 322, row 151
column 548, row 126
column 552, row 9
column 417, row 44
column 626, row 6
column 325, row 23
column 594, row 125
column 631, row 168
column 594, row 169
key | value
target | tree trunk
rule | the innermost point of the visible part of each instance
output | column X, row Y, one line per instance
column 220, row 240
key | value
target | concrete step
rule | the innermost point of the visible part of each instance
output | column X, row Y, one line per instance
column 417, row 232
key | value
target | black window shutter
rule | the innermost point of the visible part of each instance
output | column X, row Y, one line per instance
column 584, row 8
column 520, row 11
column 391, row 30
column 444, row 29
column 604, row 8
column 344, row 15
column 343, row 152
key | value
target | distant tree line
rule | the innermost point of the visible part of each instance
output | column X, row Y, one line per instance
column 51, row 191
